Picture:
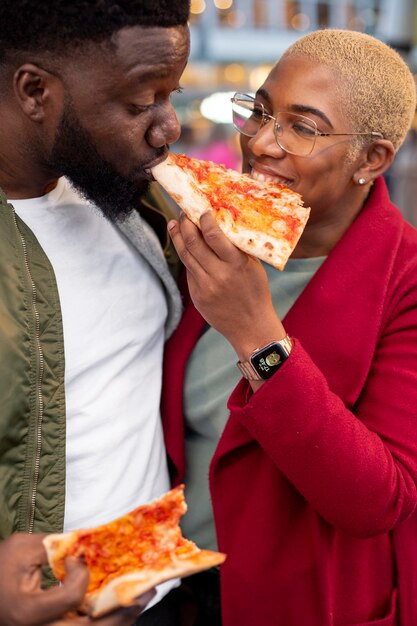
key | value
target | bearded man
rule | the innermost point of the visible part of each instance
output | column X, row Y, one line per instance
column 86, row 295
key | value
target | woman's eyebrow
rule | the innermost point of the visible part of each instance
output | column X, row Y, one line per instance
column 297, row 108
column 302, row 108
column 264, row 94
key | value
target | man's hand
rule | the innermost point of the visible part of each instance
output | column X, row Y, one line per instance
column 24, row 603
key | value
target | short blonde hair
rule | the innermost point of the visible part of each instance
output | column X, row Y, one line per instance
column 378, row 88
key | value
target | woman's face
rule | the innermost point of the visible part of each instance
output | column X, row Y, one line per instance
column 325, row 177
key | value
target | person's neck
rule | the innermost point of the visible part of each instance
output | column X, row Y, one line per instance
column 22, row 176
column 318, row 239
column 25, row 182
column 321, row 235
column 30, row 191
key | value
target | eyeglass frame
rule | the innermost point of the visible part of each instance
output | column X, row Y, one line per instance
column 317, row 133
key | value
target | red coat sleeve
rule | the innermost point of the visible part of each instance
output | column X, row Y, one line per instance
column 356, row 466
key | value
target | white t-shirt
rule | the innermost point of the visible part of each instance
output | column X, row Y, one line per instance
column 113, row 310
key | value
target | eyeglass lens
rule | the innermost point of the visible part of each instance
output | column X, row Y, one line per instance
column 294, row 133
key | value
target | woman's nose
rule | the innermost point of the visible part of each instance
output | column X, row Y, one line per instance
column 264, row 142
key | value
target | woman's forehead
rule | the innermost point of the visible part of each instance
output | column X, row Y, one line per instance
column 298, row 80
column 302, row 72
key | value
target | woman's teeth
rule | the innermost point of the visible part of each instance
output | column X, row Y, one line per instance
column 267, row 178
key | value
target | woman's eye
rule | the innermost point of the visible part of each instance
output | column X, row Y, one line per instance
column 257, row 113
column 303, row 129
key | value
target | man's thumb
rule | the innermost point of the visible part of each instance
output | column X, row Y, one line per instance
column 76, row 581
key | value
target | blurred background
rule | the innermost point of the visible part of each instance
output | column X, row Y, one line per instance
column 234, row 44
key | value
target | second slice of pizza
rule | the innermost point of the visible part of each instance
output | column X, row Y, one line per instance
column 131, row 554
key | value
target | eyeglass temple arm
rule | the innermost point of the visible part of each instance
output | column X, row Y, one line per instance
column 375, row 134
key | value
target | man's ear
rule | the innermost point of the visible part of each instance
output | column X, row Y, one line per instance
column 375, row 161
column 35, row 88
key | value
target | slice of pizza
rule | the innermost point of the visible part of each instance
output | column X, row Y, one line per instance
column 132, row 554
column 263, row 219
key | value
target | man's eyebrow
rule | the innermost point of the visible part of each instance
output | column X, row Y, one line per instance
column 143, row 72
column 303, row 109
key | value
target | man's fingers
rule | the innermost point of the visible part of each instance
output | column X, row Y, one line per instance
column 129, row 615
column 76, row 580
column 145, row 598
column 50, row 605
column 26, row 548
column 122, row 617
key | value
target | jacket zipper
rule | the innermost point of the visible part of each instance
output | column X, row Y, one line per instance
column 39, row 377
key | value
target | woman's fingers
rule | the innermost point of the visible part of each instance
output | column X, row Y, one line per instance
column 205, row 248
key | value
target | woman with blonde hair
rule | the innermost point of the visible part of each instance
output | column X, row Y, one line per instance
column 314, row 475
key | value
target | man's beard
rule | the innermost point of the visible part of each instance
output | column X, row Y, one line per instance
column 75, row 156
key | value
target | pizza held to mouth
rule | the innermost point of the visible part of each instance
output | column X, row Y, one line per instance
column 262, row 218
column 131, row 554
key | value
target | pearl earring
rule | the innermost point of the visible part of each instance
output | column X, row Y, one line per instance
column 361, row 181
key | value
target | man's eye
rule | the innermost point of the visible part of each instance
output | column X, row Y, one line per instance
column 136, row 109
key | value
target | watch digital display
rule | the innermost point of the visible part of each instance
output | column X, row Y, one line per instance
column 268, row 360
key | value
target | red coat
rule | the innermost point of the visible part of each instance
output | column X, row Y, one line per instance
column 314, row 479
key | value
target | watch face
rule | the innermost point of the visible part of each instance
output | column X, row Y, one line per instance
column 268, row 360
column 273, row 359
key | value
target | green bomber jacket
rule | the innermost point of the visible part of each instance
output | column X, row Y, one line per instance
column 32, row 394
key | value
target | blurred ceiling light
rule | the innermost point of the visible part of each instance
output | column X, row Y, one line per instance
column 258, row 75
column 300, row 21
column 234, row 73
column 218, row 107
column 197, row 6
column 223, row 4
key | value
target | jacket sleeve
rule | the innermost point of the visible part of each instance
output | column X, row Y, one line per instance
column 357, row 466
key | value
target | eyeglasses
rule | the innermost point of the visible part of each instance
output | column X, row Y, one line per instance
column 294, row 133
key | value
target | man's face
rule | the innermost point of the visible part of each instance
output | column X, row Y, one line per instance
column 117, row 120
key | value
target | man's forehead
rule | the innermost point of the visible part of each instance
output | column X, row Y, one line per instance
column 156, row 48
column 133, row 55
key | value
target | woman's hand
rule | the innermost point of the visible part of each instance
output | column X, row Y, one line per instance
column 228, row 287
column 24, row 603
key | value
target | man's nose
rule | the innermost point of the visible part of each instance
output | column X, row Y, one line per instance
column 165, row 128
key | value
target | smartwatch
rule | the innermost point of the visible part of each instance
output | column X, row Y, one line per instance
column 264, row 362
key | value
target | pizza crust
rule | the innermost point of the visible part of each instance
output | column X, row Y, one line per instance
column 182, row 189
column 124, row 590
